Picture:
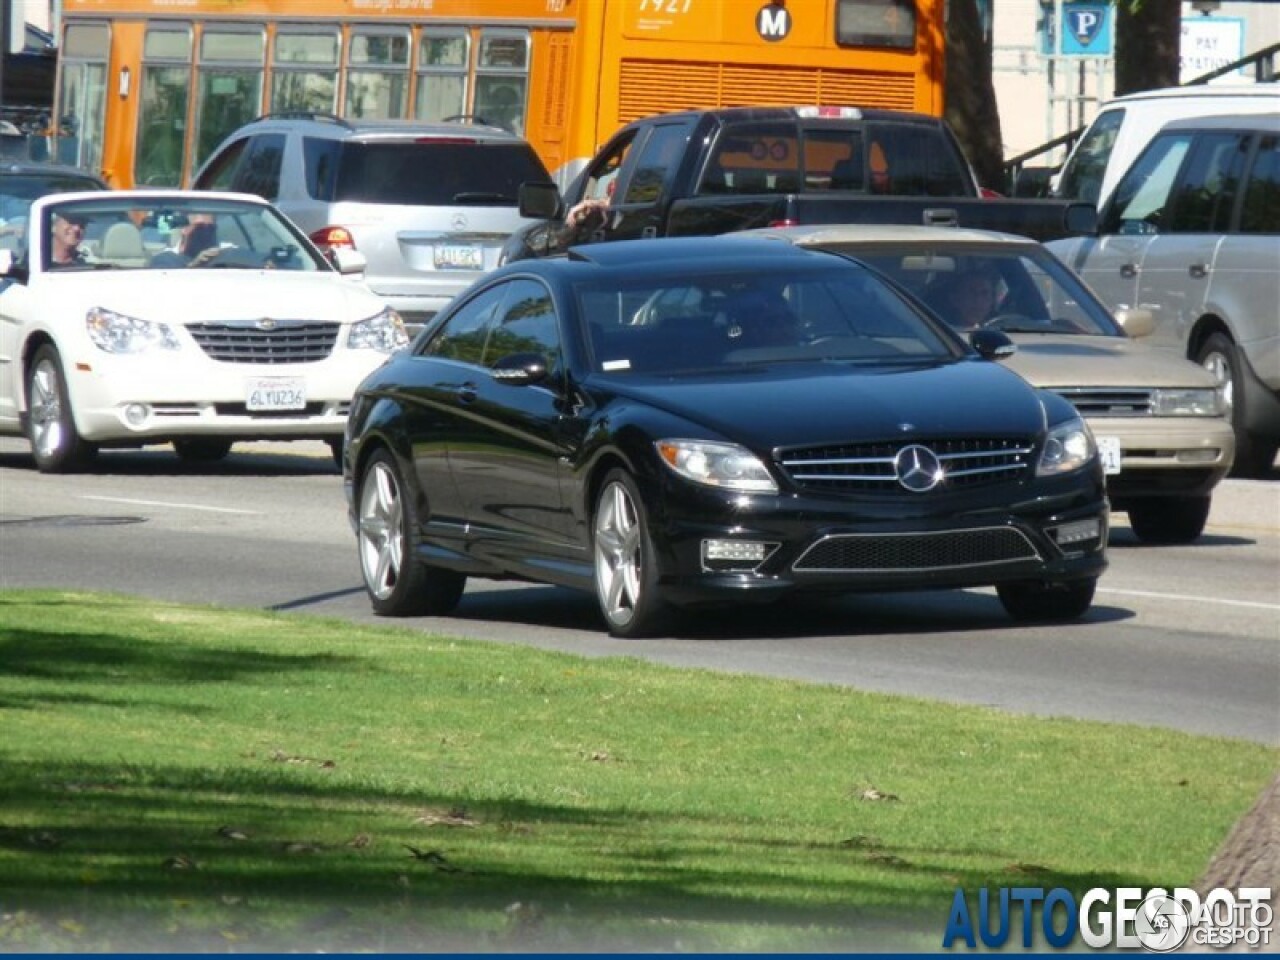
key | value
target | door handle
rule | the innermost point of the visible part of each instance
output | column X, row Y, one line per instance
column 467, row 392
column 1128, row 270
column 1198, row 270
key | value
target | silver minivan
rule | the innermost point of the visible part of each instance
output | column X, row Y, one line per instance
column 1192, row 233
column 429, row 205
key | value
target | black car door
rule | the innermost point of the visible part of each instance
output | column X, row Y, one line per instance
column 511, row 453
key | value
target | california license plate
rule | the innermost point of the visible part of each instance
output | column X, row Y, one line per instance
column 1109, row 451
column 276, row 393
column 459, row 256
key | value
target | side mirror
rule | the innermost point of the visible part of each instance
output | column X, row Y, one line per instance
column 1136, row 321
column 539, row 200
column 348, row 262
column 993, row 344
column 11, row 268
column 520, row 369
column 1081, row 219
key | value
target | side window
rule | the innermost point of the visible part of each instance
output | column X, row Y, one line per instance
column 1261, row 212
column 1082, row 178
column 1210, row 184
column 527, row 323
column 222, row 170
column 320, row 163
column 465, row 332
column 1142, row 195
column 604, row 175
column 260, row 172
column 658, row 157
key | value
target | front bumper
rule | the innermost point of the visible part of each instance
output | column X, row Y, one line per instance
column 1166, row 456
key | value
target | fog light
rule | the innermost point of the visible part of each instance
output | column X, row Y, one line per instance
column 136, row 414
column 734, row 550
column 1078, row 531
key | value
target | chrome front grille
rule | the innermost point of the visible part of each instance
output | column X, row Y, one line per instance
column 266, row 342
column 1104, row 402
column 869, row 467
column 914, row 552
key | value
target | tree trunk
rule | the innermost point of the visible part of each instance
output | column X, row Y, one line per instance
column 1148, row 35
column 970, row 94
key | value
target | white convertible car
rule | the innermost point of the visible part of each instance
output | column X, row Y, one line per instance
column 138, row 317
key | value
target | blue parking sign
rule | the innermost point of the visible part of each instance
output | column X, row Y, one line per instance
column 1085, row 29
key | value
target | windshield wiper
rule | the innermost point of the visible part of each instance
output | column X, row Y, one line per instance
column 478, row 196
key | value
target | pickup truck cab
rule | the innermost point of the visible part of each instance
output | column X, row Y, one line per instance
column 1192, row 234
column 706, row 172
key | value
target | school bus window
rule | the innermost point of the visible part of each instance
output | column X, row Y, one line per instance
column 305, row 71
column 230, row 89
column 442, row 75
column 876, row 23
column 502, row 79
column 82, row 103
column 378, row 77
column 162, row 111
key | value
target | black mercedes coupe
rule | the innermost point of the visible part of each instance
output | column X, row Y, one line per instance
column 690, row 422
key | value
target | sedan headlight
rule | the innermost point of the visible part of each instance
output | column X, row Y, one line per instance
column 724, row 465
column 1068, row 447
column 383, row 332
column 1187, row 403
column 116, row 333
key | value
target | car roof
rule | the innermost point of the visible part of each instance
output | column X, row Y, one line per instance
column 28, row 168
column 880, row 234
column 704, row 251
column 144, row 196
column 346, row 129
column 1202, row 90
column 1269, row 122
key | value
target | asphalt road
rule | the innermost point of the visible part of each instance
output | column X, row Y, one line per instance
column 1181, row 637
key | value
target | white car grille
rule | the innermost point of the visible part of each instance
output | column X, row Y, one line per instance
column 266, row 341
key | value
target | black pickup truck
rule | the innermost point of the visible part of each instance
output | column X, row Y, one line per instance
column 704, row 172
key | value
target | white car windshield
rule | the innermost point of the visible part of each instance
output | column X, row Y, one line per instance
column 128, row 232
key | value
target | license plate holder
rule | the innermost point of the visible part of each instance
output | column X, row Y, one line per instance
column 275, row 393
column 1109, row 452
column 458, row 256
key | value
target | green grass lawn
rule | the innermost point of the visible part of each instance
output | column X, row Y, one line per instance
column 197, row 778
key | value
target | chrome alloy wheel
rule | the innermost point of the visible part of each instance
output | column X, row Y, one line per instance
column 619, row 554
column 48, row 424
column 381, row 531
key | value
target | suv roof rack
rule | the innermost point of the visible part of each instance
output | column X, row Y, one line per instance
column 307, row 115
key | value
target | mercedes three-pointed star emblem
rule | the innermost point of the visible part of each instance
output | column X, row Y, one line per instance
column 918, row 468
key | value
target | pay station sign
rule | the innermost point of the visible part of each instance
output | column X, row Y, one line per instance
column 1208, row 44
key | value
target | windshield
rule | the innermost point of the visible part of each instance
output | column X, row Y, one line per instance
column 725, row 322
column 1082, row 176
column 1015, row 290
column 139, row 232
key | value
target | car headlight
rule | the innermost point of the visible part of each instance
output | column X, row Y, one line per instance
column 116, row 333
column 1187, row 403
column 717, row 465
column 383, row 332
column 1068, row 447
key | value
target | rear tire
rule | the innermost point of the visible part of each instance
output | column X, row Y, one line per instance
column 626, row 569
column 202, row 450
column 1169, row 519
column 51, row 429
column 1254, row 454
column 1031, row 601
column 398, row 583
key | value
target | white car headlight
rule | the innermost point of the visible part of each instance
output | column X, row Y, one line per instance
column 116, row 333
column 717, row 465
column 1069, row 447
column 1187, row 403
column 383, row 332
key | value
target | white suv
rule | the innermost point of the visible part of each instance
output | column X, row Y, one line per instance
column 428, row 204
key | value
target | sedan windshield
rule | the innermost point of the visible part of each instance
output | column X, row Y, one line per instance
column 673, row 325
column 132, row 232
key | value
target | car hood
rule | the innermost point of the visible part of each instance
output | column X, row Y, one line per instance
column 197, row 296
column 821, row 403
column 1065, row 360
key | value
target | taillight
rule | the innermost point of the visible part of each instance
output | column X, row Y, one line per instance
column 988, row 194
column 327, row 238
column 784, row 223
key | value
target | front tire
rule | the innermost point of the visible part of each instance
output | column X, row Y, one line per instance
column 1035, row 602
column 398, row 583
column 51, row 429
column 626, row 570
column 335, row 450
column 1254, row 454
column 202, row 450
column 1169, row 519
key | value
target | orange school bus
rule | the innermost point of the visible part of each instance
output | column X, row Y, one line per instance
column 147, row 88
